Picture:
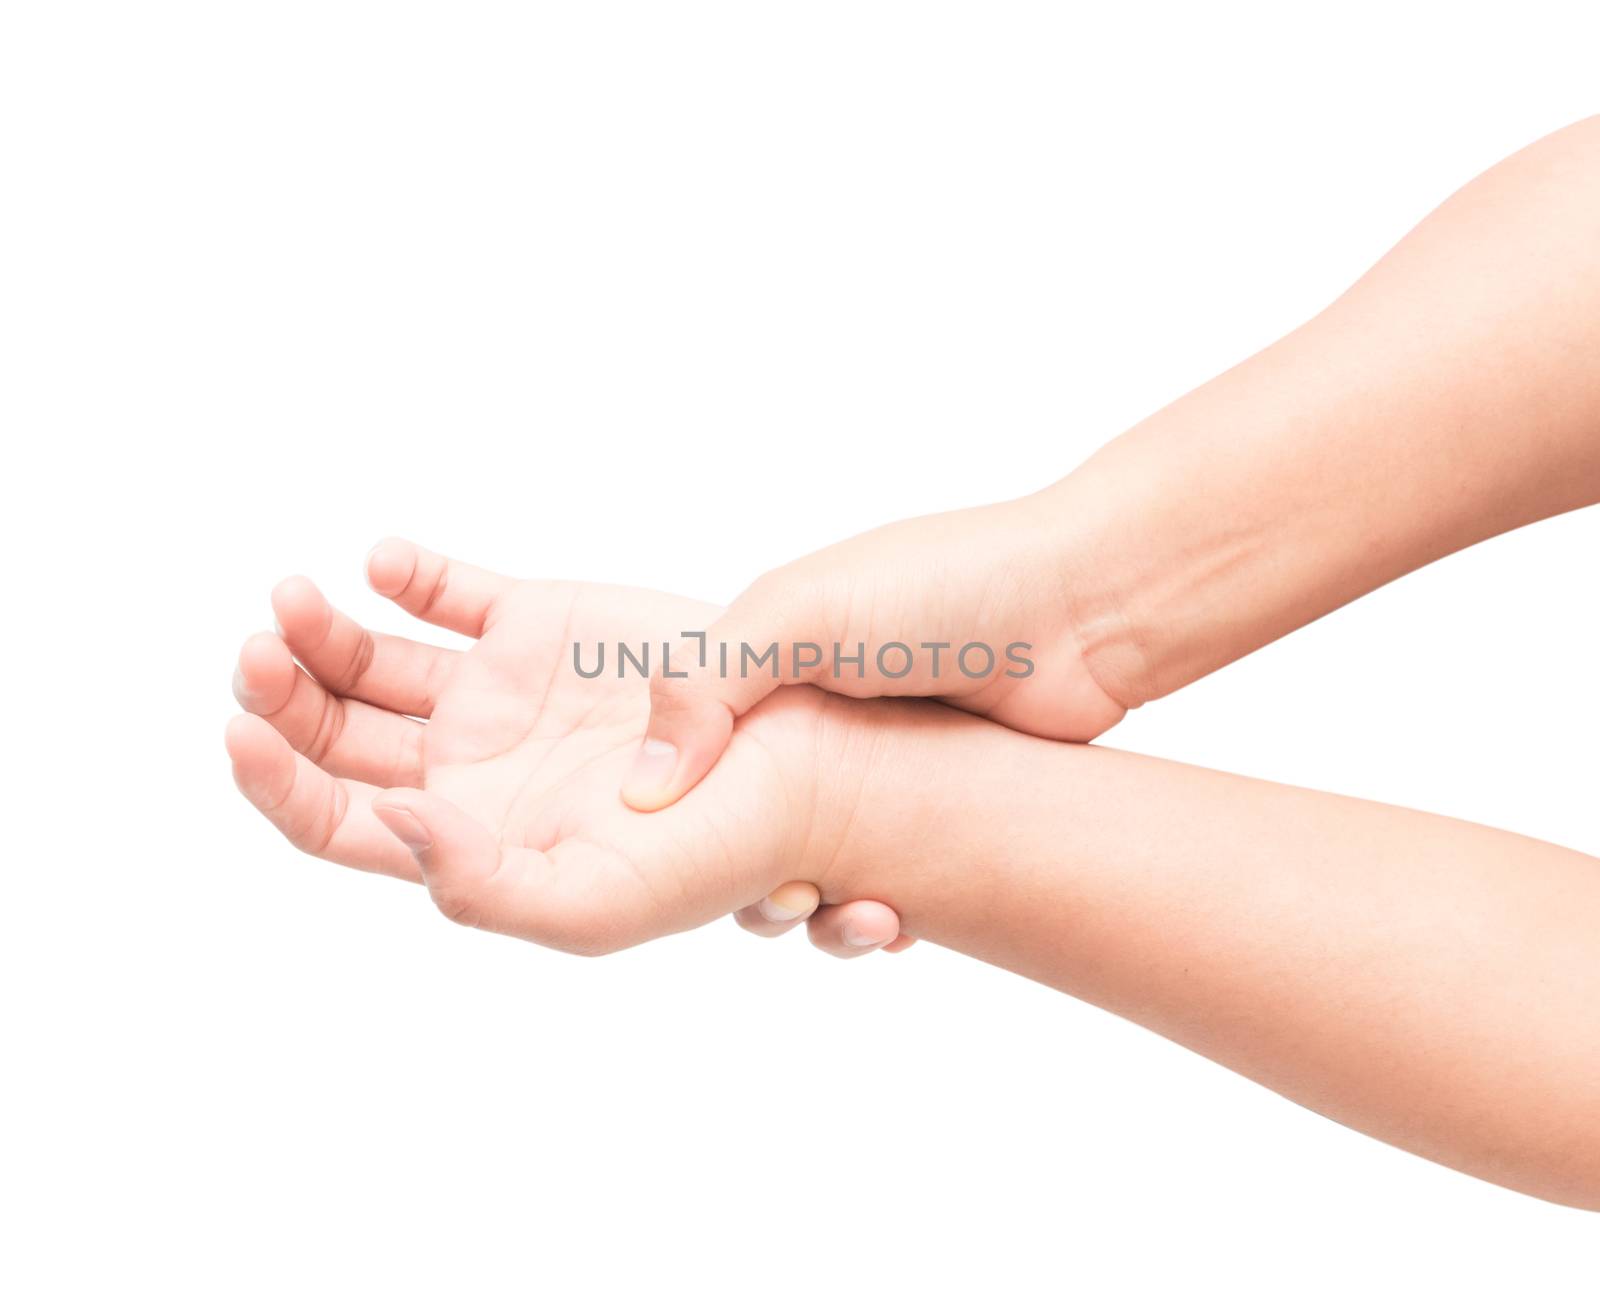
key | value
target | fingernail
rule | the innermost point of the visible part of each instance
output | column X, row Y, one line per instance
column 859, row 937
column 785, row 905
column 652, row 769
column 406, row 826
column 241, row 693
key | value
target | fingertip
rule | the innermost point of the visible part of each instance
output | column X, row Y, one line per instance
column 235, row 736
column 300, row 607
column 855, row 928
column 265, row 667
column 789, row 903
column 296, row 588
column 249, row 734
column 404, row 798
column 397, row 811
column 262, row 649
column 868, row 925
column 653, row 782
column 684, row 739
column 390, row 565
column 263, row 761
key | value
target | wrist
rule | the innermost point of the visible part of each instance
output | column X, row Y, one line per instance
column 1173, row 562
column 1102, row 552
column 900, row 786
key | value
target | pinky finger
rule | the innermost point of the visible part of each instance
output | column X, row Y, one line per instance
column 437, row 590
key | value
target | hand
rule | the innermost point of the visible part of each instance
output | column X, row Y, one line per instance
column 504, row 799
column 997, row 576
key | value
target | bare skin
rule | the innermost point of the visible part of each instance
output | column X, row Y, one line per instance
column 1449, row 396
column 1427, row 981
column 513, row 773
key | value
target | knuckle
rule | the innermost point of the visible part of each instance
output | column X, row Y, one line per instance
column 436, row 674
column 330, row 725
column 676, row 697
column 311, row 835
column 436, row 589
column 772, row 598
column 409, row 757
column 360, row 660
column 308, row 829
column 789, row 603
column 301, row 837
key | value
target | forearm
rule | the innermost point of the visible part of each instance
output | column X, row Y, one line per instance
column 1449, row 396
column 1431, row 982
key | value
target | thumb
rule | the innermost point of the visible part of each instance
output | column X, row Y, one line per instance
column 745, row 656
column 473, row 879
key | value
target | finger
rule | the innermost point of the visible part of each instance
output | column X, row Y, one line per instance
column 852, row 929
column 438, row 590
column 779, row 910
column 392, row 672
column 348, row 738
column 321, row 815
column 749, row 654
column 477, row 882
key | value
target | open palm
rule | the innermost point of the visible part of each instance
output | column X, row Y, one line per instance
column 494, row 773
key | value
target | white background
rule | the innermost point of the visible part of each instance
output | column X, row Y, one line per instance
column 668, row 294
